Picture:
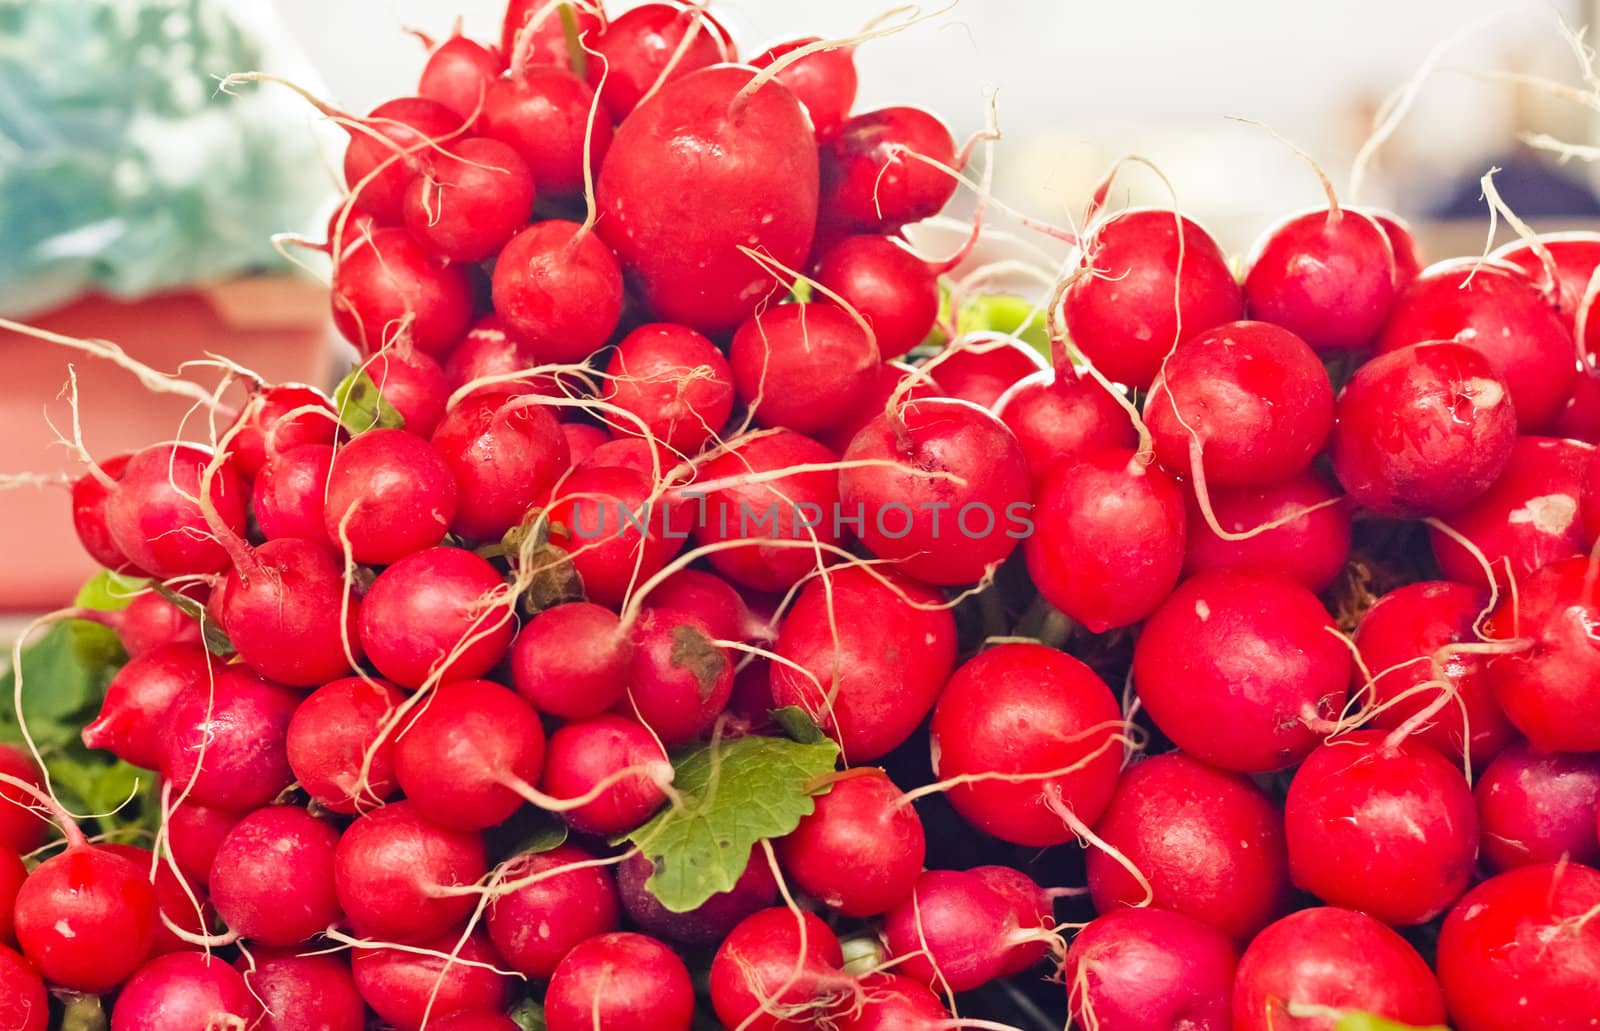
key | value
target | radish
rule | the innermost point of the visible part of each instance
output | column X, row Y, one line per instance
column 1575, row 256
column 272, row 878
column 440, row 614
column 634, row 453
column 280, row 417
column 178, row 900
column 223, row 740
column 466, row 759
column 1208, row 843
column 641, row 50
column 777, row 969
column 1588, row 500
column 1550, row 658
column 533, row 32
column 1423, row 430
column 474, row 1020
column 982, row 367
column 389, row 494
column 335, row 748
column 303, row 993
column 1523, row 950
column 1058, row 418
column 1383, row 825
column 394, row 135
column 393, row 871
column 543, row 114
column 12, row 874
column 459, row 73
column 760, row 193
column 895, row 291
column 155, row 517
column 616, row 532
column 872, row 177
column 572, row 661
column 23, row 1002
column 866, row 655
column 289, row 496
column 491, row 350
column 620, row 982
column 615, row 760
column 893, row 1002
column 151, row 621
column 560, row 288
column 406, row 988
column 824, row 82
column 952, row 932
column 677, row 383
column 390, row 289
column 506, row 454
column 1030, row 907
column 1027, row 737
column 1241, row 670
column 1308, row 969
column 693, row 595
column 679, row 680
column 1310, row 548
column 1110, row 539
column 413, row 384
column 891, row 380
column 194, row 833
column 288, row 611
column 538, row 921
column 860, row 850
column 1536, row 808
column 86, row 918
column 1402, row 244
column 933, row 458
column 89, row 497
column 1148, row 968
column 1122, row 315
column 707, row 923
column 582, row 440
column 469, row 199
column 185, row 990
column 1499, row 311
column 1327, row 276
column 131, row 719
column 802, row 366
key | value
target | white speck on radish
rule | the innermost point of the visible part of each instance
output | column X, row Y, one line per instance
column 1202, row 610
column 1485, row 393
column 1550, row 514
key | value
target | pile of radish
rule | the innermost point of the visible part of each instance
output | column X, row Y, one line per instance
column 673, row 622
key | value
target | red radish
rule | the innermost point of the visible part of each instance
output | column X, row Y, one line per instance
column 1386, row 827
column 151, row 621
column 12, row 874
column 468, row 755
column 890, row 381
column 533, row 925
column 620, row 982
column 802, row 366
column 389, row 494
column 1030, row 907
column 89, row 498
column 1526, row 520
column 1242, row 670
column 1536, row 808
column 459, row 73
column 440, row 614
column 185, row 990
column 1499, row 311
column 1039, row 732
column 617, row 761
column 489, row 350
column 1303, row 971
column 951, row 932
column 1208, row 842
column 1109, row 537
column 824, row 82
column 329, row 739
column 272, row 878
column 978, row 482
column 634, row 453
column 173, row 900
column 289, row 496
column 867, row 654
column 1250, row 399
column 1310, row 549
column 653, row 44
column 1576, row 255
column 1401, row 638
column 1122, row 315
column 1326, row 275
column 154, row 514
column 223, row 740
column 280, row 417
column 1423, row 430
column 615, row 531
column 474, row 1020
column 1057, row 418
column 290, row 613
column 23, row 1002
column 86, row 918
column 694, row 595
column 1407, row 253
column 131, row 719
column 1148, row 968
column 194, row 833
column 888, row 285
column 395, row 135
column 1588, row 500
column 679, row 680
column 543, row 114
column 778, row 969
column 303, row 993
column 469, row 199
column 413, row 384
column 760, row 194
column 572, row 661
column 506, row 455
column 1542, row 682
column 1523, row 950
column 982, row 367
column 534, row 31
column 675, row 381
column 391, row 289
column 348, row 228
column 582, row 440
column 860, row 850
column 872, row 177
column 560, row 288
column 391, row 869
column 405, row 989
column 893, row 1002
column 707, row 923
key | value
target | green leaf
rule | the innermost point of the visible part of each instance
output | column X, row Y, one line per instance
column 106, row 591
column 1004, row 313
column 528, row 1015
column 798, row 724
column 735, row 793
column 216, row 641
column 58, row 688
column 1371, row 1022
column 362, row 406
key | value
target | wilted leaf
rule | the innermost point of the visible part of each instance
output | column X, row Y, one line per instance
column 362, row 406
column 1370, row 1022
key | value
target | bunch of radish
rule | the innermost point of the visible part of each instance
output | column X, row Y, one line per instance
column 673, row 621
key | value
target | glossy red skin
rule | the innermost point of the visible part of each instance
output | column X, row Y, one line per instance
column 506, row 456
column 403, row 124
column 824, row 82
column 860, row 850
column 582, row 753
column 768, row 960
column 802, row 367
column 1151, row 970
column 1028, row 709
column 1407, row 253
column 548, row 43
column 1503, row 315
column 620, row 982
column 1528, row 519
column 1538, row 808
column 1576, row 255
column 985, row 367
column 1545, row 691
column 272, row 878
column 949, row 932
column 1209, row 842
column 406, row 988
column 634, row 453
column 679, row 681
column 887, row 384
column 12, row 874
column 459, row 73
column 423, row 607
column 534, row 926
column 1109, row 538
column 891, row 657
column 224, row 740
column 1326, row 276
column 457, row 754
column 677, row 221
column 543, row 114
column 707, row 923
column 270, row 429
column 559, row 288
column 1521, row 950
column 387, row 866
column 596, row 517
column 1231, row 664
column 184, row 990
column 673, row 379
column 1057, row 418
column 491, row 349
column 171, row 899
column 389, row 494
column 24, row 1005
column 583, row 440
column 637, row 47
column 1123, row 318
column 288, row 496
column 1029, row 907
column 283, row 615
column 390, row 282
column 1423, row 430
column 695, row 594
column 303, row 993
column 1254, row 394
column 571, row 661
column 869, row 185
column 893, row 1002
column 413, row 383
column 194, row 832
column 888, row 285
column 328, row 740
column 1311, row 549
column 86, row 919
column 154, row 519
column 130, row 723
column 1391, row 831
column 469, row 199
column 89, row 497
column 151, row 621
column 1335, row 958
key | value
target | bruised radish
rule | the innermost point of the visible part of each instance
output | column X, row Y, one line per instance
column 1149, row 968
column 408, row 989
column 802, row 367
column 289, row 496
column 1551, row 657
column 890, row 287
column 543, row 114
column 86, row 918
column 272, row 878
column 861, row 849
column 89, row 499
column 677, row 383
column 290, row 614
column 777, row 967
column 616, row 757
column 23, row 1002
column 223, row 741
column 707, row 923
column 679, row 680
column 132, row 717
column 389, row 494
column 390, row 289
column 459, row 73
column 615, row 531
column 1310, row 548
column 872, row 177
column 330, row 738
column 303, row 993
column 620, row 982
column 390, row 867
column 155, row 517
column 824, row 82
column 1536, row 808
column 185, row 990
column 982, row 367
column 280, row 417
column 469, row 199
column 571, row 661
column 413, row 384
column 465, row 757
column 1326, row 275
column 654, row 44
column 507, row 453
column 560, row 288
column 533, row 925
column 440, row 614
column 382, row 156
column 1058, row 417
